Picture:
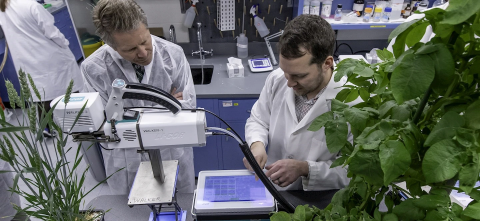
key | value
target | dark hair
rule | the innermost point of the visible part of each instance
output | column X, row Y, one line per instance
column 3, row 5
column 110, row 16
column 310, row 32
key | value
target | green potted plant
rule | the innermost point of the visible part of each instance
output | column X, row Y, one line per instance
column 419, row 123
column 54, row 186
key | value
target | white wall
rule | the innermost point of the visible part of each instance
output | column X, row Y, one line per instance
column 160, row 13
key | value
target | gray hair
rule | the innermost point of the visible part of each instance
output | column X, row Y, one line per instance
column 110, row 16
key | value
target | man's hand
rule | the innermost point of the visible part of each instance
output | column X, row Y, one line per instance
column 285, row 172
column 178, row 96
column 258, row 151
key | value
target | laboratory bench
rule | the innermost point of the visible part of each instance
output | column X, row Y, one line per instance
column 119, row 210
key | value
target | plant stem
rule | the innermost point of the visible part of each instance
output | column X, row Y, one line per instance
column 400, row 188
column 422, row 105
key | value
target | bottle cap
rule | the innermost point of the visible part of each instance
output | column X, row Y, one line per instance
column 339, row 6
column 368, row 10
column 388, row 9
column 378, row 9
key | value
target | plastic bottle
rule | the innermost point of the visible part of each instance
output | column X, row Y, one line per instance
column 367, row 14
column 422, row 6
column 386, row 14
column 338, row 13
column 306, row 7
column 190, row 15
column 378, row 14
column 327, row 9
column 358, row 7
column 242, row 46
column 315, row 7
column 397, row 6
column 259, row 23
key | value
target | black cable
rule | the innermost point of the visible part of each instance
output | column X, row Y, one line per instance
column 217, row 133
column 362, row 51
column 259, row 172
column 351, row 50
column 104, row 147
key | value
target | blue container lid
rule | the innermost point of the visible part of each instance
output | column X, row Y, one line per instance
column 388, row 9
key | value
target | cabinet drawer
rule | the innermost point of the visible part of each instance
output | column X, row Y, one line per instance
column 235, row 110
column 62, row 18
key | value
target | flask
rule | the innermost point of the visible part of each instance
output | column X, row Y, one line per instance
column 259, row 23
column 315, row 7
column 408, row 10
column 338, row 13
column 327, row 9
column 358, row 7
column 368, row 13
column 306, row 7
column 190, row 15
column 378, row 14
column 386, row 14
column 242, row 46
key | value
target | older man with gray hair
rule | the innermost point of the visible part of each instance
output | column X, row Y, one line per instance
column 131, row 53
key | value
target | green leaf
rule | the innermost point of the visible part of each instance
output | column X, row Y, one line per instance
column 475, row 194
column 400, row 29
column 476, row 24
column 280, row 216
column 412, row 77
column 353, row 95
column 407, row 211
column 401, row 113
column 364, row 94
column 299, row 213
column 459, row 11
column 434, row 215
column 342, row 95
column 457, row 209
column 389, row 202
column 427, row 49
column 13, row 129
column 442, row 161
column 356, row 117
column 473, row 116
column 409, row 142
column 339, row 161
column 336, row 133
column 429, row 202
column 320, row 121
column 464, row 137
column 390, row 217
column 399, row 45
column 444, row 69
column 377, row 215
column 394, row 159
column 338, row 105
column 386, row 127
column 473, row 210
column 417, row 33
column 366, row 163
column 468, row 176
column 363, row 71
column 385, row 108
column 344, row 67
column 446, row 128
column 385, row 55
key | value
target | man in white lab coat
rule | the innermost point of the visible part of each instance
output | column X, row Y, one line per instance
column 132, row 54
column 39, row 48
column 293, row 96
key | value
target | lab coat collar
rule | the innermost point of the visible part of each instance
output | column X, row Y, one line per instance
column 320, row 107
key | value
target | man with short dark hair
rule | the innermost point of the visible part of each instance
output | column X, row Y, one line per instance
column 293, row 96
column 131, row 53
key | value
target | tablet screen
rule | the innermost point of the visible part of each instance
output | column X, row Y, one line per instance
column 233, row 188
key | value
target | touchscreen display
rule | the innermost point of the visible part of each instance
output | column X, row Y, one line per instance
column 258, row 63
column 233, row 188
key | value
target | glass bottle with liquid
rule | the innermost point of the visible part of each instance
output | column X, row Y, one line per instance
column 368, row 13
column 338, row 13
column 306, row 7
column 358, row 7
column 315, row 7
column 378, row 14
column 386, row 14
column 327, row 9
column 408, row 11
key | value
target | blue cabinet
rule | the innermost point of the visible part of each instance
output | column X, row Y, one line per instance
column 8, row 73
column 223, row 152
column 64, row 23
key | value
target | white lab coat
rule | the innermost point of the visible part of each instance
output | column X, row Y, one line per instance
column 7, row 212
column 169, row 68
column 39, row 48
column 273, row 121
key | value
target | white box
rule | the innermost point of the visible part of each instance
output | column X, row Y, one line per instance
column 235, row 70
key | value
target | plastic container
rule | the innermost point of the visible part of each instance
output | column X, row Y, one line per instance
column 189, row 16
column 242, row 46
column 261, row 27
column 326, row 9
column 378, row 14
column 315, row 7
column 397, row 6
column 386, row 14
column 338, row 13
column 368, row 13
column 306, row 7
column 358, row 7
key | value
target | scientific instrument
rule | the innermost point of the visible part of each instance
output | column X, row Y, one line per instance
column 260, row 64
column 132, row 127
